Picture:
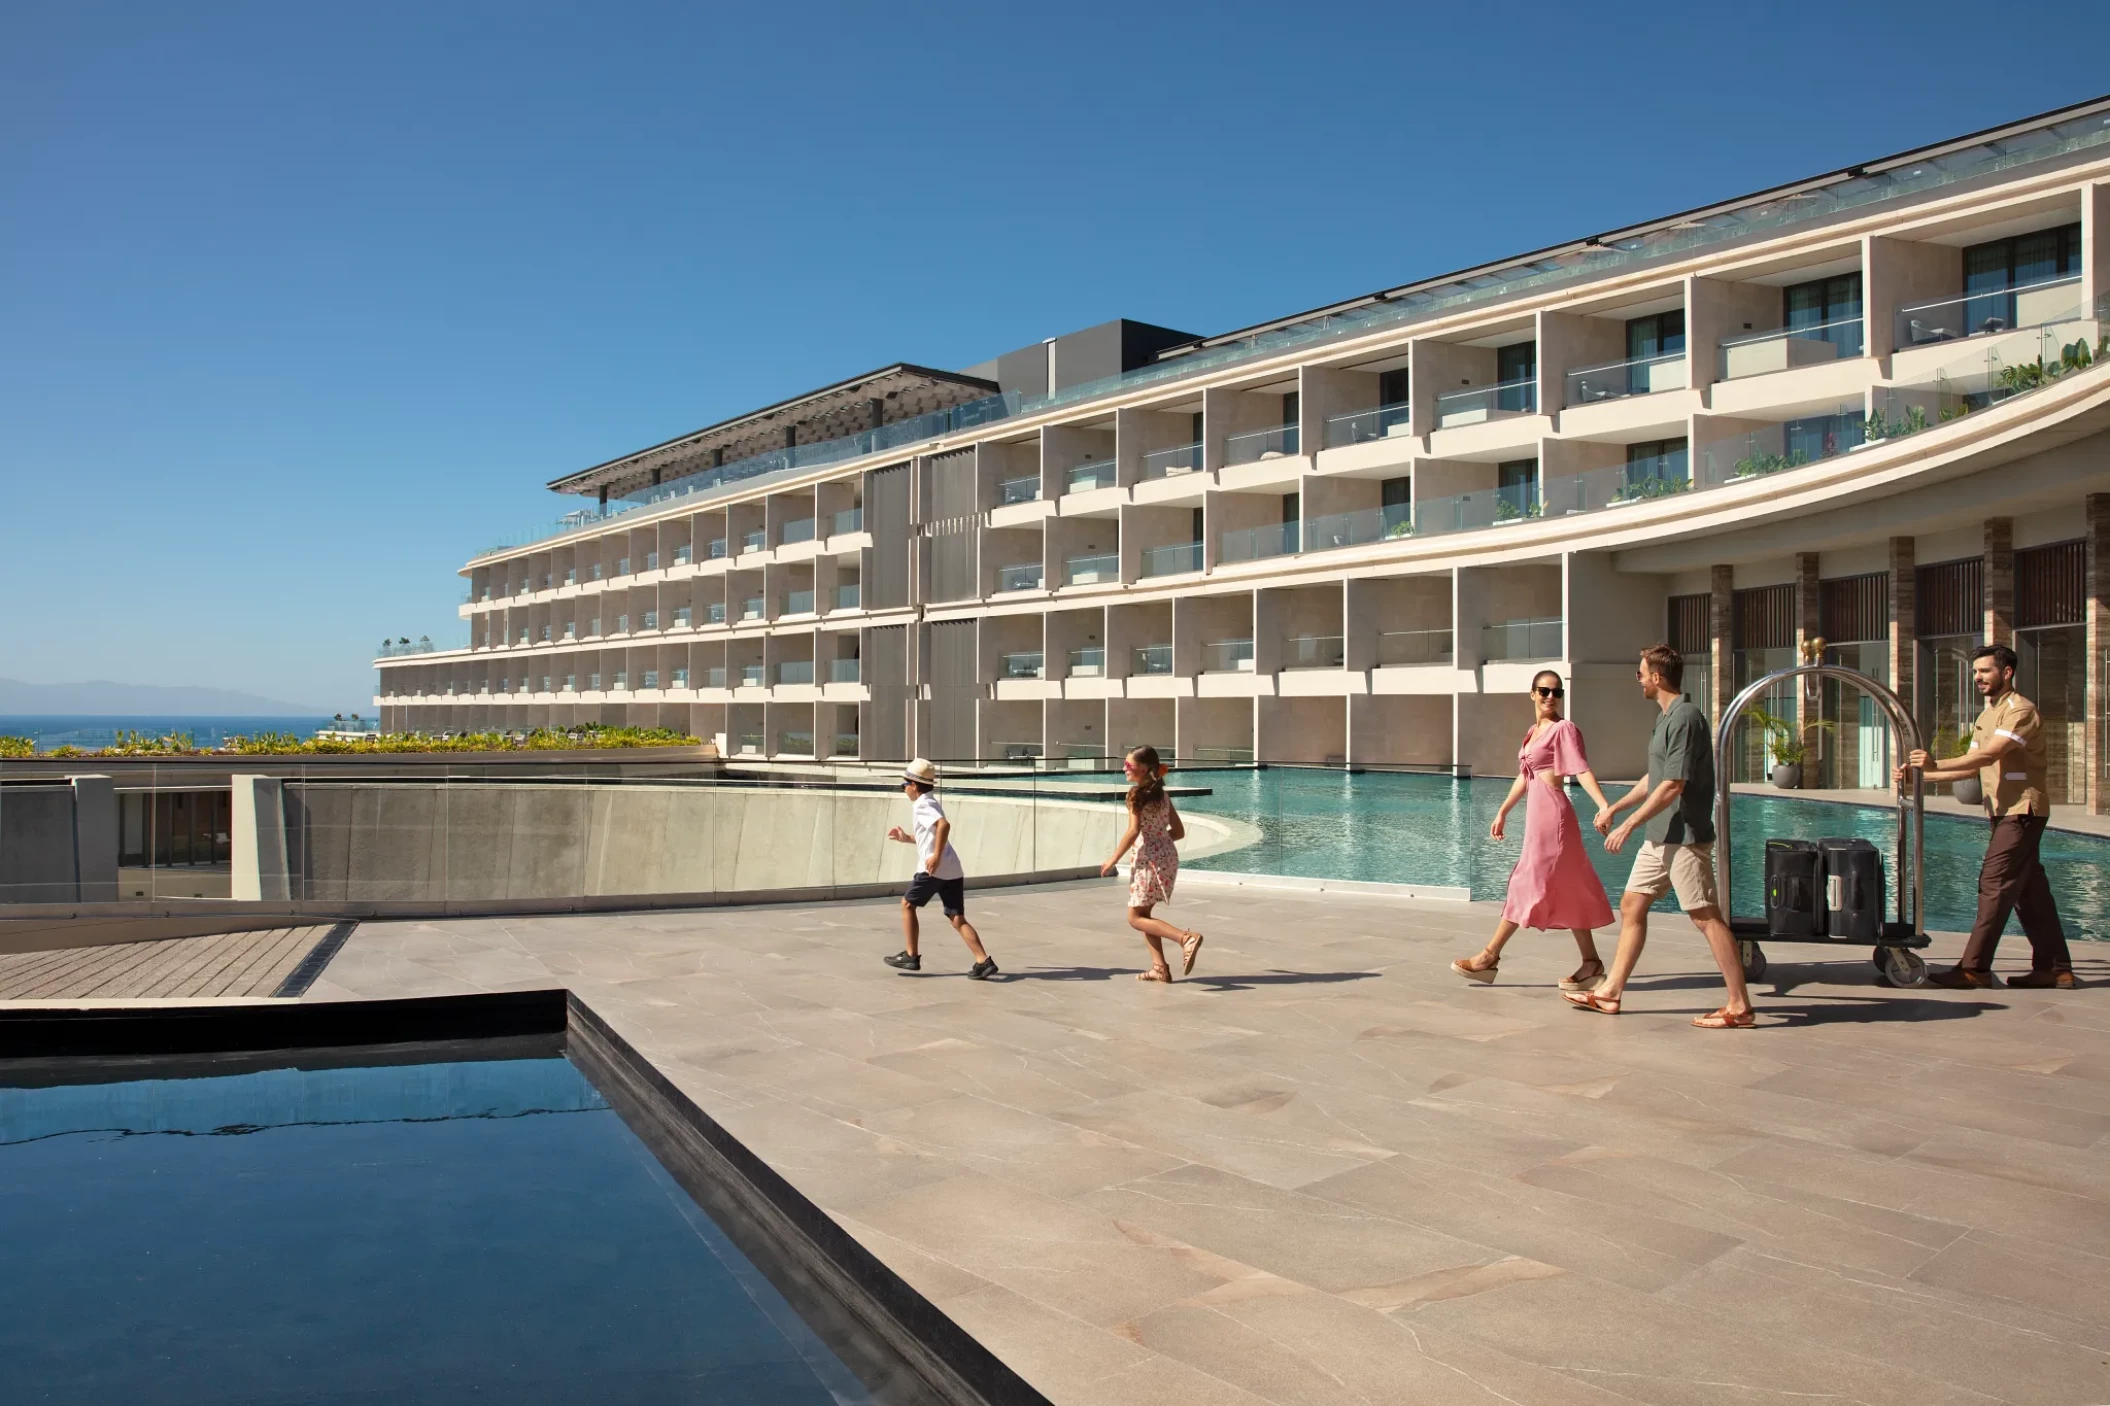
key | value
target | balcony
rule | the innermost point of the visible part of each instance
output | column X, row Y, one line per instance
column 1654, row 476
column 1025, row 664
column 1088, row 663
column 622, row 625
column 1091, row 570
column 795, row 671
column 797, row 530
column 848, row 595
column 1174, row 560
column 752, row 608
column 1227, row 657
column 618, row 683
column 571, row 578
column 1259, row 543
column 1102, row 473
column 1151, row 659
column 545, row 634
column 1987, row 314
column 754, row 541
column 651, row 620
column 714, row 613
column 651, row 679
column 1330, row 531
column 593, row 684
column 1484, row 507
column 795, row 742
column 846, row 521
column 714, row 677
column 1023, row 489
column 571, row 632
column 1618, row 379
column 844, row 671
column 1170, row 463
column 844, row 744
column 683, row 617
column 651, row 563
column 715, row 548
column 1479, row 404
column 1274, row 442
column 683, row 555
column 1521, row 639
column 681, row 678
column 750, row 744
column 1363, row 426
column 1314, row 652
column 1396, row 648
column 1791, row 347
column 750, row 676
column 798, row 602
column 622, row 566
column 1024, row 576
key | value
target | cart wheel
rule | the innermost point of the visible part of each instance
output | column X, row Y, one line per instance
column 1754, row 960
column 1899, row 966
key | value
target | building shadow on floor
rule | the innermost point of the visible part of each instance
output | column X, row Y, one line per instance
column 1212, row 981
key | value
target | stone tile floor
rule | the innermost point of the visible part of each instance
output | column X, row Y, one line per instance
column 1325, row 1170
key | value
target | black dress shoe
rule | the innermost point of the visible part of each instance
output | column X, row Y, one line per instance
column 1958, row 979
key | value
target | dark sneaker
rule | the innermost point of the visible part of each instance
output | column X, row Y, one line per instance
column 1958, row 979
column 906, row 962
column 983, row 970
column 2044, row 981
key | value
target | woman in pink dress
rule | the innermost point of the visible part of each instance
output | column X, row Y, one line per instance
column 1553, row 885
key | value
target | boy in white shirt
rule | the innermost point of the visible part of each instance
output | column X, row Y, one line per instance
column 938, row 874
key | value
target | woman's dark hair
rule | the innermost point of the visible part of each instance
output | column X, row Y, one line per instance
column 1152, row 787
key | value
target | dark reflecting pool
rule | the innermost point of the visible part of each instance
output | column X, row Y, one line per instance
column 431, row 1230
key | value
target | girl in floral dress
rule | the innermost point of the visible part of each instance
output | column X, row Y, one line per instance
column 1153, row 826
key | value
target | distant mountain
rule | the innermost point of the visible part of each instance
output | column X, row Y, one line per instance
column 100, row 697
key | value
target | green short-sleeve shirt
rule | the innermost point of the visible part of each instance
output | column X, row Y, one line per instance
column 1680, row 749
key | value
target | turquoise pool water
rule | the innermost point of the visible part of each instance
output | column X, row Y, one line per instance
column 1399, row 827
column 419, row 1233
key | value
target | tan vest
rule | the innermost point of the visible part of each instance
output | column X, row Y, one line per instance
column 2014, row 785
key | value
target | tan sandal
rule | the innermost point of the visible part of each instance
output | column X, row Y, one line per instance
column 1484, row 975
column 1582, row 982
column 1724, row 1019
column 1163, row 974
column 1189, row 950
column 1591, row 1001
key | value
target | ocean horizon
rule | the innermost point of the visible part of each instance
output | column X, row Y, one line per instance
column 50, row 730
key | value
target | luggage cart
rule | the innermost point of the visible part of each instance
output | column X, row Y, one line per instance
column 1897, row 961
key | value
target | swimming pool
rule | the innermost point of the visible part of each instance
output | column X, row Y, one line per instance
column 1407, row 827
column 426, row 1231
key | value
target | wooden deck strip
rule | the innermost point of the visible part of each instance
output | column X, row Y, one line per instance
column 95, row 970
column 231, row 964
column 268, row 962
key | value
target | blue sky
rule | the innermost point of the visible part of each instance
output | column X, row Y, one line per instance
column 300, row 306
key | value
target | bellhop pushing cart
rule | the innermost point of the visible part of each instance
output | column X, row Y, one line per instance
column 1897, row 961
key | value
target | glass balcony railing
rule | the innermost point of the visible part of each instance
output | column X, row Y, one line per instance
column 1016, row 751
column 617, row 683
column 797, row 530
column 1227, row 657
column 1088, row 663
column 1521, row 639
column 1616, row 380
column 750, row 744
column 1103, row 473
column 622, row 566
column 651, row 679
column 683, row 617
column 593, row 683
column 848, row 520
column 1091, row 570
column 1025, row 664
column 1402, row 647
column 1790, row 347
column 683, row 555
column 752, row 608
column 753, row 541
column 1985, row 314
column 843, row 671
column 1274, row 442
column 1151, row 659
column 1485, row 507
column 795, row 742
column 843, row 744
column 714, row 677
column 795, row 671
column 571, row 685
column 714, row 613
column 798, row 602
column 1329, row 531
column 1172, row 560
column 848, row 595
column 715, row 548
column 1314, row 652
column 571, row 632
column 1170, row 463
column 1479, row 404
column 651, row 564
column 1023, row 489
column 680, row 679
column 1771, row 448
column 1278, row 539
column 750, row 676
column 1362, row 426
column 571, row 578
column 1023, row 576
column 651, row 620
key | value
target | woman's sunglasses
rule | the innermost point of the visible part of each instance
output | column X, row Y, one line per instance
column 1551, row 692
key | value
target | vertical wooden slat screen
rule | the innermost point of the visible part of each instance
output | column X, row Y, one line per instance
column 1851, row 609
column 1689, row 633
column 1765, row 618
column 1951, row 598
column 2051, row 585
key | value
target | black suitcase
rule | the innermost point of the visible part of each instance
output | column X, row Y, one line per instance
column 1794, row 889
column 1853, row 888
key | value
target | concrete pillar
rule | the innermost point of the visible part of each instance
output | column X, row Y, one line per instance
column 2097, row 616
column 1809, row 627
column 94, row 838
column 1904, row 622
column 1219, row 407
column 257, row 840
column 1721, row 626
column 2095, row 244
column 2000, row 581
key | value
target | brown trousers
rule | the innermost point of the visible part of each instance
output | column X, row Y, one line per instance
column 2012, row 880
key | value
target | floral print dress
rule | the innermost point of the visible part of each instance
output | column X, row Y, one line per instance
column 1157, row 863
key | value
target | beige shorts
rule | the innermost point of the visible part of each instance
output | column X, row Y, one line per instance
column 1689, row 869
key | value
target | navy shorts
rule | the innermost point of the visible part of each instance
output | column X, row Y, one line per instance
column 950, row 893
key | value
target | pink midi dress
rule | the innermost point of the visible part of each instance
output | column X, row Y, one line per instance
column 1157, row 863
column 1554, row 885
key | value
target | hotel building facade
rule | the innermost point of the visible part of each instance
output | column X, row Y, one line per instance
column 1869, row 409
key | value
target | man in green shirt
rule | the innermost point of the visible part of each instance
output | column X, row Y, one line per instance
column 1675, row 802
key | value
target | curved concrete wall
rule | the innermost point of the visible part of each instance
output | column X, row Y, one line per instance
column 507, row 842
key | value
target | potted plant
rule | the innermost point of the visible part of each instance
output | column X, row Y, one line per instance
column 1786, row 748
column 1943, row 744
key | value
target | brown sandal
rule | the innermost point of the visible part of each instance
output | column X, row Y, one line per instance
column 1189, row 950
column 1163, row 974
column 1724, row 1020
column 1484, row 975
column 1591, row 1001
